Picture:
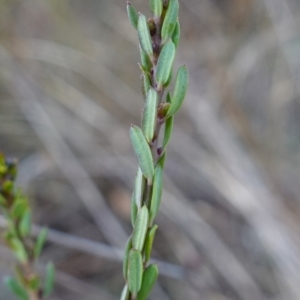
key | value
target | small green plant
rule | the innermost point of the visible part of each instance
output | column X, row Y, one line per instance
column 27, row 284
column 158, row 40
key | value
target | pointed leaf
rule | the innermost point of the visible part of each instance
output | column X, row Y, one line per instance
column 140, row 229
column 164, row 64
column 125, row 293
column 176, row 34
column 49, row 281
column 135, row 272
column 40, row 241
column 168, row 98
column 25, row 223
column 149, row 279
column 149, row 242
column 139, row 186
column 144, row 35
column 170, row 20
column 179, row 91
column 168, row 131
column 132, row 15
column 142, row 151
column 150, row 115
column 156, row 192
column 16, row 288
column 126, row 256
column 156, row 7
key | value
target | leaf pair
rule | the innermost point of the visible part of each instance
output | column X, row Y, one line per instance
column 137, row 240
column 140, row 283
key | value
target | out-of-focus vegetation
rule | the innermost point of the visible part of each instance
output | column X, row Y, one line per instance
column 69, row 90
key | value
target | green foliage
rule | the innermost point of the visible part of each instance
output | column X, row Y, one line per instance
column 135, row 271
column 40, row 241
column 15, row 207
column 132, row 15
column 170, row 20
column 156, row 7
column 150, row 115
column 181, row 84
column 164, row 64
column 140, row 228
column 49, row 281
column 142, row 151
column 16, row 288
column 156, row 192
column 144, row 35
column 168, row 131
column 158, row 40
column 149, row 242
column 149, row 279
column 126, row 256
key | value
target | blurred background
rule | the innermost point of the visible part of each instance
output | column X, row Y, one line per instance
column 229, row 221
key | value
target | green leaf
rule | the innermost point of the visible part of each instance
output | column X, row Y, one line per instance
column 145, row 83
column 168, row 131
column 176, row 34
column 140, row 229
column 25, row 223
column 49, row 281
column 20, row 206
column 135, row 272
column 134, row 210
column 149, row 242
column 179, row 91
column 142, row 151
column 168, row 98
column 40, row 241
column 164, row 64
column 149, row 279
column 145, row 60
column 156, row 7
column 132, row 15
column 170, row 20
column 150, row 115
column 125, row 293
column 126, row 256
column 18, row 249
column 139, row 186
column 16, row 288
column 144, row 35
column 156, row 192
column 169, row 79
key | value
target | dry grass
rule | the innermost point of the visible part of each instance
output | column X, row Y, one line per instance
column 69, row 90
